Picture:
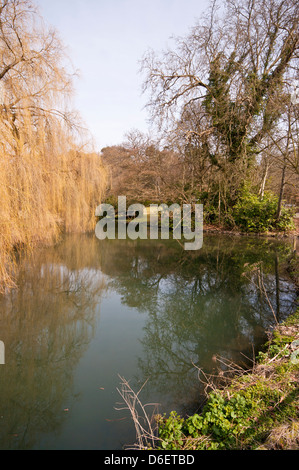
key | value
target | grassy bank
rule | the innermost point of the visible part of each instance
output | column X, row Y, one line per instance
column 254, row 410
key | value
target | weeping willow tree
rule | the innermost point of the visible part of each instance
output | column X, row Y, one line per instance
column 50, row 180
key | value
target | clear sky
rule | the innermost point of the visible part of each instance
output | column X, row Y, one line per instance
column 106, row 40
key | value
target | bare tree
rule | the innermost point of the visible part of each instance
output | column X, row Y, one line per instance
column 32, row 73
column 221, row 94
column 233, row 65
column 142, row 170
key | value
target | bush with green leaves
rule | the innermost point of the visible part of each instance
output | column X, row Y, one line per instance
column 253, row 214
column 222, row 420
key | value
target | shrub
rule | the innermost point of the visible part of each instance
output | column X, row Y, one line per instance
column 222, row 420
column 252, row 214
column 252, row 411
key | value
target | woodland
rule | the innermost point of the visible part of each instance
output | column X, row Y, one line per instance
column 223, row 108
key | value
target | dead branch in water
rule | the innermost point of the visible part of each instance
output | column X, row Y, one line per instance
column 145, row 425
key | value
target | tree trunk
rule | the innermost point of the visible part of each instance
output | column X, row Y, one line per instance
column 263, row 183
column 277, row 288
column 282, row 185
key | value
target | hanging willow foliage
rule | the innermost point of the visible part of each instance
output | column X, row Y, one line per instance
column 48, row 184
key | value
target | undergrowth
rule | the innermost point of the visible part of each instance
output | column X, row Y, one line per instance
column 257, row 410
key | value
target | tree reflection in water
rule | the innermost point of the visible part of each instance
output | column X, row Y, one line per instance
column 199, row 305
column 194, row 305
column 46, row 325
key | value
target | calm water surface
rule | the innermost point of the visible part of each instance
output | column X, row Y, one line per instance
column 87, row 312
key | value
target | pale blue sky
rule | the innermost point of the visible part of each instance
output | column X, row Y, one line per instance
column 106, row 39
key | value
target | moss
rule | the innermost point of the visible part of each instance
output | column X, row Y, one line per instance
column 293, row 320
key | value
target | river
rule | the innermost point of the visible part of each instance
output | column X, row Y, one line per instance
column 88, row 312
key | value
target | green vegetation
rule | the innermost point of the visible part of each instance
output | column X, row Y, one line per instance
column 257, row 410
column 250, row 214
column 253, row 214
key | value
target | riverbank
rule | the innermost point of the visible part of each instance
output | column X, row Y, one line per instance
column 223, row 230
column 247, row 410
column 252, row 409
column 256, row 409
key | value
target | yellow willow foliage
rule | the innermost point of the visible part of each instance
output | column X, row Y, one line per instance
column 47, row 186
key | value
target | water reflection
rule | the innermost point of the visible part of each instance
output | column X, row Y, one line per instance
column 46, row 325
column 192, row 306
column 199, row 305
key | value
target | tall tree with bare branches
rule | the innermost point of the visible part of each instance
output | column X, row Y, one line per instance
column 223, row 90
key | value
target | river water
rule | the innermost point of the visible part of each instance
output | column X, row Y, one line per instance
column 88, row 313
